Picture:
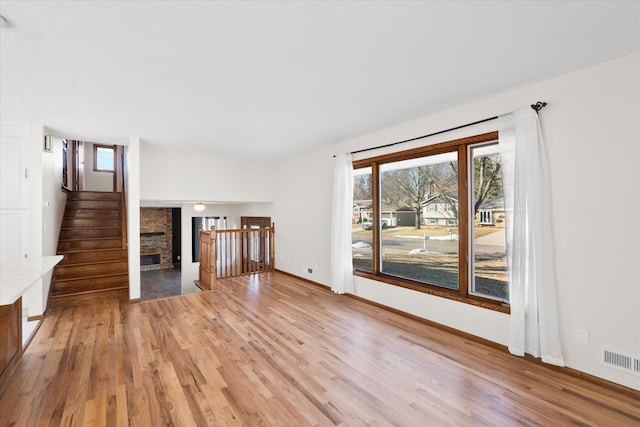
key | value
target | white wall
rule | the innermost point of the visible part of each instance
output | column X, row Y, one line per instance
column 33, row 301
column 132, row 160
column 168, row 175
column 592, row 132
column 53, row 204
column 95, row 181
column 302, row 214
column 256, row 209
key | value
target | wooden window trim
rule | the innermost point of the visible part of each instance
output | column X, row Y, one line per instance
column 95, row 158
column 462, row 293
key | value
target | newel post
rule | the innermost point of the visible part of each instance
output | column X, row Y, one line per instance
column 212, row 257
column 272, row 247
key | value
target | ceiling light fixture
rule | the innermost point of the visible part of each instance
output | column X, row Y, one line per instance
column 199, row 207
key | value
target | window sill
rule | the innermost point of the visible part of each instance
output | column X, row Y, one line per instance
column 437, row 291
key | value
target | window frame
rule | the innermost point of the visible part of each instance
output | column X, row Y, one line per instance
column 462, row 294
column 95, row 158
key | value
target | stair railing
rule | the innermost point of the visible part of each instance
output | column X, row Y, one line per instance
column 123, row 199
column 229, row 253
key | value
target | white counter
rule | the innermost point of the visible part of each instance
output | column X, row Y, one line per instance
column 16, row 277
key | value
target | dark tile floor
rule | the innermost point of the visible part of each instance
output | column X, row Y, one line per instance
column 159, row 283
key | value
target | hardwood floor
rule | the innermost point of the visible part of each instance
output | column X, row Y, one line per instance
column 276, row 351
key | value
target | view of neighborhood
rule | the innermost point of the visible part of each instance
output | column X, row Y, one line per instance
column 419, row 237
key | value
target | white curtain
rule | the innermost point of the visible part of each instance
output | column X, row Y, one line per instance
column 341, row 261
column 534, row 319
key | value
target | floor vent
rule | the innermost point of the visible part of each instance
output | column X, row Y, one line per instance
column 621, row 361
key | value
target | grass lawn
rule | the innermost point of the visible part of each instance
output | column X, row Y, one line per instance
column 429, row 230
column 442, row 270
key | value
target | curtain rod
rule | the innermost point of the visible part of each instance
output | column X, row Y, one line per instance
column 537, row 107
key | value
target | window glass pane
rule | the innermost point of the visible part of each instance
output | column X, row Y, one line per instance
column 488, row 244
column 362, row 236
column 104, row 158
column 419, row 210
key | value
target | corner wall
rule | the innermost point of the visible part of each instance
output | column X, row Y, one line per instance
column 592, row 133
column 53, row 205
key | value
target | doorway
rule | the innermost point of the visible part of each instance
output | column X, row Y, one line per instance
column 160, row 252
column 255, row 221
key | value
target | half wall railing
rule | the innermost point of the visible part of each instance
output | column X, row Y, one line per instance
column 229, row 253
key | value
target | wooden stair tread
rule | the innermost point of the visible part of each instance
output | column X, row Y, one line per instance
column 79, row 251
column 89, row 238
column 95, row 267
column 88, row 228
column 96, row 291
column 95, row 276
column 76, row 264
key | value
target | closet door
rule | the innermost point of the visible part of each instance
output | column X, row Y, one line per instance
column 14, row 195
column 13, row 234
column 13, row 167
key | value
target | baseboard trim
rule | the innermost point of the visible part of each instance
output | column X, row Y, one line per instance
column 619, row 388
column 135, row 301
column 433, row 324
column 38, row 317
column 311, row 282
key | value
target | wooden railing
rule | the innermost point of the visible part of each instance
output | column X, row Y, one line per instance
column 228, row 253
column 123, row 195
column 123, row 218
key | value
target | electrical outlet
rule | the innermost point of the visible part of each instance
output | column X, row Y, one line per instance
column 582, row 337
column 309, row 270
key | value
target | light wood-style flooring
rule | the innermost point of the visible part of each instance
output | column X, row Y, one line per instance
column 276, row 351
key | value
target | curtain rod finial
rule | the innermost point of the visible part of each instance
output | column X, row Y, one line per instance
column 538, row 106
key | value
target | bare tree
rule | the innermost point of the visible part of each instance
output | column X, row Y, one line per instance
column 407, row 187
column 413, row 187
column 487, row 180
column 362, row 187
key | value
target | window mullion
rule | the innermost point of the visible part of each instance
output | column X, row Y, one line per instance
column 375, row 228
column 463, row 221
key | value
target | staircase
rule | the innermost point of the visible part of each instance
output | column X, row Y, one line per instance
column 95, row 265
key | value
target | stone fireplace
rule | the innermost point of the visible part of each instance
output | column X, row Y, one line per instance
column 156, row 236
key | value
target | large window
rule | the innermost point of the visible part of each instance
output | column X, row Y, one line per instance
column 433, row 219
column 424, row 254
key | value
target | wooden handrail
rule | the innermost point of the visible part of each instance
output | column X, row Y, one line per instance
column 123, row 216
column 123, row 202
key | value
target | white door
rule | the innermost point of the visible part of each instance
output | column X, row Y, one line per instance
column 13, row 167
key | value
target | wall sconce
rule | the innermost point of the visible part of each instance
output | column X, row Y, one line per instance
column 199, row 207
column 48, row 144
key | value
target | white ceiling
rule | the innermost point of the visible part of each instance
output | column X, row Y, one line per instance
column 267, row 80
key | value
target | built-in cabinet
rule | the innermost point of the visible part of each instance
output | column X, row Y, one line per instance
column 14, row 194
column 14, row 231
column 10, row 332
